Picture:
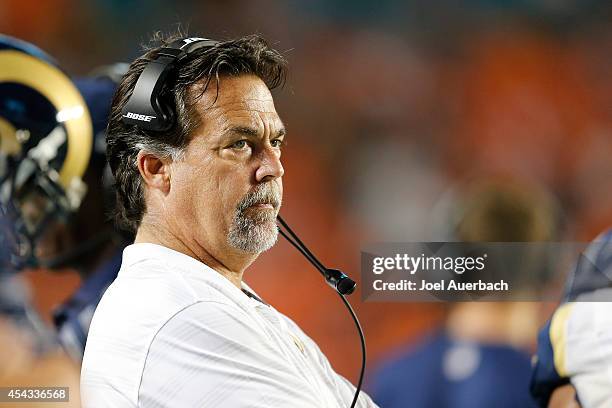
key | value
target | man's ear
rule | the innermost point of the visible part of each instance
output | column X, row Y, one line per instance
column 154, row 171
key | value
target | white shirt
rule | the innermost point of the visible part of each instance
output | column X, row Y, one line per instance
column 581, row 336
column 172, row 332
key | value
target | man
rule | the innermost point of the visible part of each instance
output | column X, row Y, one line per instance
column 478, row 357
column 179, row 327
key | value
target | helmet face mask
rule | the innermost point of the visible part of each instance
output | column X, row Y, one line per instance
column 45, row 145
column 33, row 201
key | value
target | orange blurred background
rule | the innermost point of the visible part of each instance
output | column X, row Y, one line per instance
column 388, row 107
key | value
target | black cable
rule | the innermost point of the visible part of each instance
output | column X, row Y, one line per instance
column 334, row 277
column 301, row 250
column 299, row 245
column 310, row 254
column 363, row 348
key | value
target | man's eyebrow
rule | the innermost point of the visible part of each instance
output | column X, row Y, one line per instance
column 252, row 132
column 244, row 130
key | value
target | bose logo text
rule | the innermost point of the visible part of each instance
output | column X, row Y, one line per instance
column 136, row 116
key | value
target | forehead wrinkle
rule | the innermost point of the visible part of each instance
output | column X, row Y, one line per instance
column 256, row 119
column 262, row 124
column 231, row 107
column 257, row 123
column 245, row 103
column 209, row 100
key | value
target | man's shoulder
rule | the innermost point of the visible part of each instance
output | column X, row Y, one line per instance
column 135, row 307
column 158, row 283
column 146, row 291
column 144, row 297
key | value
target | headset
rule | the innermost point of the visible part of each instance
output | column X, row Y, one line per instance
column 147, row 109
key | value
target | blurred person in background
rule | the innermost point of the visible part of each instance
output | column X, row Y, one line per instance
column 51, row 204
column 574, row 354
column 479, row 358
column 92, row 246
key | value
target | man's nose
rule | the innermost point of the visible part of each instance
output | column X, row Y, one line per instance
column 270, row 166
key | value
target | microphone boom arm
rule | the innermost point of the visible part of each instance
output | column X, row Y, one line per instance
column 342, row 284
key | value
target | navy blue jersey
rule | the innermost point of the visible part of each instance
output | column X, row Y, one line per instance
column 444, row 373
column 73, row 317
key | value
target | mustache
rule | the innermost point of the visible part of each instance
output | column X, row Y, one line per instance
column 268, row 193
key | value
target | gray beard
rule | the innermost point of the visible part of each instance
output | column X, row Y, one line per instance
column 253, row 233
column 254, row 230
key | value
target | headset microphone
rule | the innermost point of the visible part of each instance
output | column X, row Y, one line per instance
column 337, row 280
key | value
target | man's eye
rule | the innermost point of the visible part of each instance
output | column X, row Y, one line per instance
column 241, row 144
column 276, row 143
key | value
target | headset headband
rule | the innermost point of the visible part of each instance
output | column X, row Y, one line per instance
column 145, row 108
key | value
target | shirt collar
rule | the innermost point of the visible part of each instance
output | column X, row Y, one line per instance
column 135, row 253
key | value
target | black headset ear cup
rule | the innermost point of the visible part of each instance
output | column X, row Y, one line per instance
column 168, row 114
column 145, row 108
column 151, row 106
column 163, row 103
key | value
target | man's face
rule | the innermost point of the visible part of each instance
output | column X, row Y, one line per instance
column 228, row 189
